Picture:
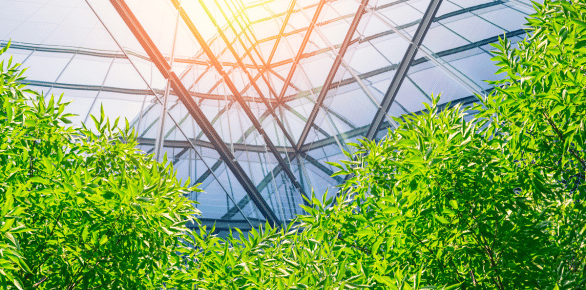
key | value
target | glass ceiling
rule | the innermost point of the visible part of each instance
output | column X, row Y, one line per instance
column 273, row 88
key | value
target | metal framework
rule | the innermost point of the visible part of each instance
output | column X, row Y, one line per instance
column 234, row 90
column 268, row 81
column 193, row 108
column 299, row 54
column 296, row 149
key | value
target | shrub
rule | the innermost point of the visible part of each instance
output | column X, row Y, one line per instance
column 82, row 208
column 497, row 202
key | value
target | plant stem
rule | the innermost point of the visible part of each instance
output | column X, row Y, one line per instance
column 561, row 136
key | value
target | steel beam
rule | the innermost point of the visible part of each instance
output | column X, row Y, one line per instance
column 178, row 155
column 329, row 140
column 280, row 35
column 245, row 200
column 321, row 167
column 325, row 142
column 235, row 146
column 330, row 78
column 160, row 132
column 302, row 48
column 403, row 68
column 283, row 79
column 190, row 104
column 227, row 225
column 234, row 90
column 205, row 144
column 269, row 178
column 142, row 92
column 220, row 81
column 195, row 61
column 302, row 118
column 243, row 68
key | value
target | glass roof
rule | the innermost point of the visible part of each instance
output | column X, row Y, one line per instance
column 285, row 84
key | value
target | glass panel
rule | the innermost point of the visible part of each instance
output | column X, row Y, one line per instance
column 46, row 66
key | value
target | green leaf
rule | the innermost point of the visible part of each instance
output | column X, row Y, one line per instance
column 17, row 284
column 413, row 184
column 84, row 233
column 390, row 209
column 12, row 239
column 376, row 246
column 8, row 204
column 455, row 286
column 143, row 198
column 580, row 44
column 364, row 232
column 103, row 239
column 7, row 224
column 441, row 219
column 37, row 179
column 579, row 22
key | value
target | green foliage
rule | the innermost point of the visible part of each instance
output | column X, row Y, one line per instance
column 450, row 197
column 497, row 202
column 82, row 209
column 488, row 197
column 296, row 257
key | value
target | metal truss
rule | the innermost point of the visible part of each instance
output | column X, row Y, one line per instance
column 243, row 68
column 260, row 71
column 235, row 92
column 298, row 56
column 281, row 32
column 210, row 96
column 271, row 67
column 163, row 66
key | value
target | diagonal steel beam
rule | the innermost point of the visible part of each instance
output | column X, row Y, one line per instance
column 217, row 164
column 332, row 73
column 281, row 31
column 292, row 85
column 196, row 112
column 403, row 68
column 234, row 90
column 243, row 68
column 302, row 118
column 261, row 186
column 269, row 178
column 302, row 47
column 321, row 167
column 178, row 155
column 231, row 69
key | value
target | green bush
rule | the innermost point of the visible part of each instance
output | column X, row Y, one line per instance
column 82, row 209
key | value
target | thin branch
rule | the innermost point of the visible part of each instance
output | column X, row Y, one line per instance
column 563, row 139
column 365, row 250
column 45, row 244
column 71, row 286
column 39, row 283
